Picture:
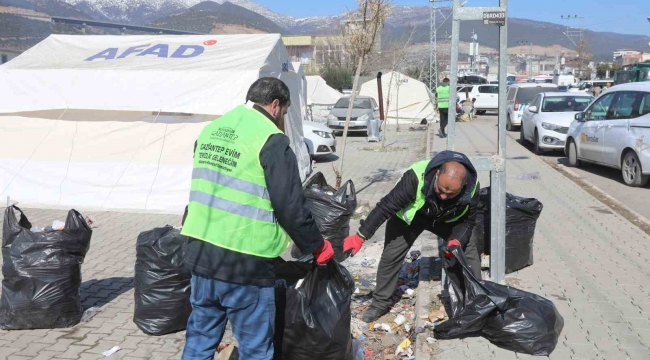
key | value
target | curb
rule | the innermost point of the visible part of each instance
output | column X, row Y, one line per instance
column 560, row 168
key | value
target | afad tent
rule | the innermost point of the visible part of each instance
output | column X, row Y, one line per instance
column 301, row 94
column 109, row 122
column 320, row 96
column 406, row 97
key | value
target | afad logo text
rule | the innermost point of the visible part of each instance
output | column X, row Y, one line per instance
column 158, row 50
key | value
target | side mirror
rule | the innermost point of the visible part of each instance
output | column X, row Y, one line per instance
column 330, row 107
column 532, row 109
column 580, row 117
column 376, row 108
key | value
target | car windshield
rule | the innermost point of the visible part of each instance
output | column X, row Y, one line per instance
column 565, row 103
column 343, row 103
column 526, row 94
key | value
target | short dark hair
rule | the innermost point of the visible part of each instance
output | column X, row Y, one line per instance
column 445, row 80
column 267, row 89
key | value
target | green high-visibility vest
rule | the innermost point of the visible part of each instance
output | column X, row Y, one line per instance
column 408, row 213
column 229, row 202
column 443, row 97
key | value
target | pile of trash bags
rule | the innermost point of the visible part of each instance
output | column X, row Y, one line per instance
column 313, row 311
column 510, row 318
column 521, row 219
column 332, row 209
column 42, row 272
column 162, row 283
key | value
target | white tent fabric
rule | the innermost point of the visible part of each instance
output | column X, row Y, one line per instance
column 109, row 122
column 406, row 97
column 320, row 96
column 302, row 94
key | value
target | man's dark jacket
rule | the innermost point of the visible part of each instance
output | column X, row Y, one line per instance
column 289, row 206
column 436, row 210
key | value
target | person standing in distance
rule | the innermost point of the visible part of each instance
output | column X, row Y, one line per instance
column 442, row 95
column 246, row 205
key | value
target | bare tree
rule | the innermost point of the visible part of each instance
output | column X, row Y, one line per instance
column 360, row 34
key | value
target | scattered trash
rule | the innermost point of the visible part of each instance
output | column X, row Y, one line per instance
column 415, row 254
column 431, row 340
column 362, row 338
column 399, row 320
column 368, row 262
column 528, row 176
column 435, row 315
column 485, row 261
column 409, row 293
column 58, row 225
column 407, row 327
column 36, row 229
column 382, row 326
column 112, row 351
column 89, row 313
column 368, row 353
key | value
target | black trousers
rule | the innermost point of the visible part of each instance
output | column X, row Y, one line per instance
column 444, row 118
column 399, row 239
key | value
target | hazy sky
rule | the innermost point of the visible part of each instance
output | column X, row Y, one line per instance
column 622, row 16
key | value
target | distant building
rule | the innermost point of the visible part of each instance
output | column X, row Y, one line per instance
column 629, row 59
column 6, row 55
column 315, row 52
column 618, row 53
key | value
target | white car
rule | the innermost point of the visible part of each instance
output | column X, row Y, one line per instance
column 519, row 96
column 614, row 131
column 588, row 85
column 487, row 96
column 319, row 138
column 546, row 121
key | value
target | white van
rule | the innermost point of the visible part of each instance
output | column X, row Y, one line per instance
column 519, row 96
column 565, row 80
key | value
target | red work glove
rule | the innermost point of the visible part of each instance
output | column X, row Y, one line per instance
column 451, row 243
column 324, row 254
column 353, row 243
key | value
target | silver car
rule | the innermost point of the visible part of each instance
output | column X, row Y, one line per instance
column 365, row 108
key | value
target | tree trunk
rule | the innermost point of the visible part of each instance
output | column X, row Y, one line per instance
column 383, row 125
column 339, row 174
column 397, row 103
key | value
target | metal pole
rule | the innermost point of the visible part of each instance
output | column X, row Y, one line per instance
column 380, row 92
column 433, row 56
column 498, row 177
column 453, row 76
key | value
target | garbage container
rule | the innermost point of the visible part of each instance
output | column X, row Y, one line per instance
column 373, row 130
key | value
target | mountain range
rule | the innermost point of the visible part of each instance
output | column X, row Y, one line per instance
column 248, row 16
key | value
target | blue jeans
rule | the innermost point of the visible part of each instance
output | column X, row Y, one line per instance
column 250, row 309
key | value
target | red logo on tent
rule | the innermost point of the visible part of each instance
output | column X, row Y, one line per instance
column 209, row 42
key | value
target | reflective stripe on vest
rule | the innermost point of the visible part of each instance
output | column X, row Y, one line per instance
column 443, row 97
column 229, row 203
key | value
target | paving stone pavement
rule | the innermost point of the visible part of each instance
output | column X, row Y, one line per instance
column 591, row 262
column 108, row 268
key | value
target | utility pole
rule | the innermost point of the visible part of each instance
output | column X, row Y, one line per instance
column 433, row 43
column 577, row 38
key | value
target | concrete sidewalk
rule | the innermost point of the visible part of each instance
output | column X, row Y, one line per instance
column 592, row 263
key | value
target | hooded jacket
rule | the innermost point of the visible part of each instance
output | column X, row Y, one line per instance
column 435, row 210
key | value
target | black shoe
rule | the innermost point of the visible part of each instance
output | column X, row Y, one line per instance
column 372, row 314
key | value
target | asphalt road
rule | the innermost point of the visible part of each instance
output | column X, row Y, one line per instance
column 606, row 179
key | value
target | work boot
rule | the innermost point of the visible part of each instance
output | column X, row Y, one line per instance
column 372, row 314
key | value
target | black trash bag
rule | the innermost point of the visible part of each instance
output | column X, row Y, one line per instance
column 332, row 211
column 521, row 219
column 42, row 273
column 162, row 283
column 313, row 320
column 510, row 318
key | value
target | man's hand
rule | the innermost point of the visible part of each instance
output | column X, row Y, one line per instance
column 450, row 244
column 353, row 243
column 324, row 254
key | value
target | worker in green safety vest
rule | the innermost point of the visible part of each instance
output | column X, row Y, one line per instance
column 439, row 195
column 442, row 95
column 246, row 204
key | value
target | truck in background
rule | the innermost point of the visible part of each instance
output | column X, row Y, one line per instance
column 633, row 73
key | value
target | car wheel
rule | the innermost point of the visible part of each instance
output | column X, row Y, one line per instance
column 536, row 148
column 509, row 126
column 522, row 138
column 480, row 112
column 573, row 155
column 632, row 172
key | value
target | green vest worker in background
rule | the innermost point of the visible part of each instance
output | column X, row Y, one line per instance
column 246, row 205
column 441, row 196
column 442, row 95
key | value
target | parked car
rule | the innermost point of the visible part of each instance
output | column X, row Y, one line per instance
column 588, row 85
column 365, row 108
column 546, row 121
column 519, row 96
column 319, row 138
column 487, row 97
column 472, row 79
column 614, row 131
